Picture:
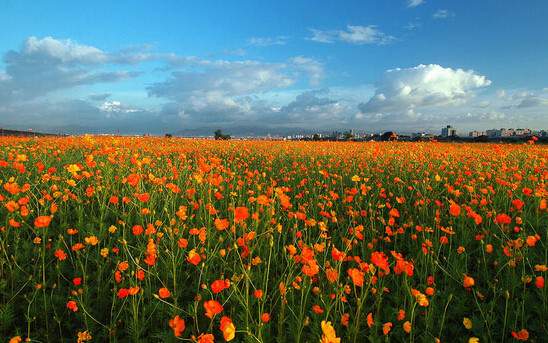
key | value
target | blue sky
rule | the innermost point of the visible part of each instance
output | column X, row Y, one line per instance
column 257, row 66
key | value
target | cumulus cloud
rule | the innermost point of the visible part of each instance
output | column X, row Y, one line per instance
column 45, row 65
column 354, row 34
column 221, row 91
column 313, row 68
column 402, row 90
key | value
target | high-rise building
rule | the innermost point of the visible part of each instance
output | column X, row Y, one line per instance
column 448, row 131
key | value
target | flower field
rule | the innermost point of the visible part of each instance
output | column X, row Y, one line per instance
column 111, row 239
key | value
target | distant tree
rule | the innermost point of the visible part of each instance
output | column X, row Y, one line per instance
column 219, row 135
column 348, row 135
column 168, row 135
column 389, row 136
column 316, row 137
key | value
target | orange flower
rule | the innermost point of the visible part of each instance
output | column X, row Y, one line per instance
column 241, row 214
column 221, row 224
column 370, row 320
column 317, row 309
column 539, row 282
column 212, row 308
column 193, row 257
column 380, row 260
column 218, row 286
column 134, row 290
column 258, row 293
column 503, row 219
column 521, row 335
column 177, row 324
column 122, row 266
column 386, row 327
column 407, row 326
column 164, row 293
column 72, row 305
column 42, row 221
column 206, row 338
column 357, row 276
column 265, row 317
column 468, row 281
column 454, row 210
column 143, row 197
column 60, row 254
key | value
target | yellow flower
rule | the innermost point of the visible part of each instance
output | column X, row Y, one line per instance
column 73, row 168
column 71, row 182
column 112, row 229
column 329, row 335
column 104, row 252
column 467, row 323
column 83, row 337
column 356, row 178
column 473, row 340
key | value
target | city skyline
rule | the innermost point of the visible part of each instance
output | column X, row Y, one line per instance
column 407, row 66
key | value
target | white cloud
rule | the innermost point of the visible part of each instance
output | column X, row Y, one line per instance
column 116, row 107
column 268, row 41
column 354, row 34
column 414, row 3
column 404, row 90
column 63, row 50
column 443, row 14
column 45, row 65
column 313, row 68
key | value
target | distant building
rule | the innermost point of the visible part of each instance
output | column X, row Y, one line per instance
column 501, row 133
column 448, row 131
column 476, row 133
